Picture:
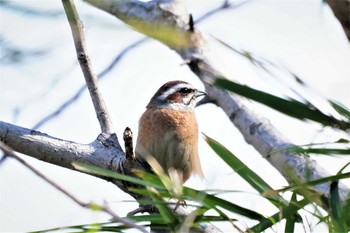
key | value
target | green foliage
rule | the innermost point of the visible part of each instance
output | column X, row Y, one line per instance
column 340, row 147
column 290, row 107
column 160, row 190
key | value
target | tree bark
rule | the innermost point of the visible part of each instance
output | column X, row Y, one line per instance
column 257, row 131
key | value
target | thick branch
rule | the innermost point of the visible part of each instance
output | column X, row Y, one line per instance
column 63, row 153
column 105, row 208
column 86, row 66
column 57, row 151
column 257, row 131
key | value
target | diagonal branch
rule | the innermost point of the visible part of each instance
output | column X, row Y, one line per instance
column 225, row 5
column 257, row 131
column 105, row 208
column 86, row 66
column 63, row 153
column 81, row 90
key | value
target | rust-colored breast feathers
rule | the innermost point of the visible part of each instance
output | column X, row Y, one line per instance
column 171, row 137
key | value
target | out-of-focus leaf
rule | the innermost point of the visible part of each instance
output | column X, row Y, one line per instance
column 286, row 212
column 95, row 227
column 343, row 140
column 342, row 110
column 342, row 169
column 324, row 151
column 315, row 182
column 320, row 148
column 290, row 221
column 339, row 223
column 211, row 201
column 334, row 200
column 246, row 173
column 103, row 172
column 168, row 215
column 207, row 200
column 292, row 108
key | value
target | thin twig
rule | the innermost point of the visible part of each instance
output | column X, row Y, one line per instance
column 86, row 66
column 225, row 5
column 105, row 207
column 81, row 90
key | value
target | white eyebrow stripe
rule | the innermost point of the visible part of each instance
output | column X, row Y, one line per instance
column 175, row 89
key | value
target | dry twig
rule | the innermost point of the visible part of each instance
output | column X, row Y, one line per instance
column 86, row 66
column 105, row 207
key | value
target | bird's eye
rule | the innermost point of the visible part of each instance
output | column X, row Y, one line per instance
column 185, row 91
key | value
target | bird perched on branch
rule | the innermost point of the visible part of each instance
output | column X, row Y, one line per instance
column 168, row 130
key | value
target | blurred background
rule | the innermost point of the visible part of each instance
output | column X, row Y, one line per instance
column 39, row 72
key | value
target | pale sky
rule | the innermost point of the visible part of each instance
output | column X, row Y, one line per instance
column 302, row 36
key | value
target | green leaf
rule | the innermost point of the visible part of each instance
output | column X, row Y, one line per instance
column 292, row 108
column 334, row 200
column 324, row 151
column 212, row 202
column 338, row 215
column 246, row 173
column 320, row 148
column 168, row 215
column 341, row 109
column 207, row 200
column 290, row 221
column 315, row 182
column 286, row 212
column 103, row 172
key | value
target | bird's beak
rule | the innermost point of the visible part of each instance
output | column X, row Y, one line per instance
column 198, row 93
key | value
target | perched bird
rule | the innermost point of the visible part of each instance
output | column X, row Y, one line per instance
column 168, row 130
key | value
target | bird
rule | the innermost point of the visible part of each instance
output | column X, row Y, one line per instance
column 168, row 130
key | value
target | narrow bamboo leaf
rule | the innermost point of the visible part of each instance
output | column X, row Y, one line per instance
column 210, row 201
column 167, row 214
column 323, row 151
column 207, row 200
column 149, row 177
column 341, row 109
column 155, row 218
column 286, row 212
column 338, row 220
column 290, row 221
column 247, row 174
column 343, row 140
column 342, row 169
column 315, row 182
column 292, row 108
column 345, row 213
column 95, row 227
column 334, row 200
column 103, row 172
column 320, row 148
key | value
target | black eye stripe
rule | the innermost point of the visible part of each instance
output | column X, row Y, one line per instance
column 185, row 90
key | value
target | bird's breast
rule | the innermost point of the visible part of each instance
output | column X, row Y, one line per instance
column 171, row 137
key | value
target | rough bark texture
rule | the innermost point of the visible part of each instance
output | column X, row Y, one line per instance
column 105, row 152
column 257, row 131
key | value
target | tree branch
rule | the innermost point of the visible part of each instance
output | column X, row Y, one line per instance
column 105, row 208
column 257, row 131
column 57, row 151
column 341, row 10
column 225, row 5
column 86, row 66
column 63, row 153
column 80, row 91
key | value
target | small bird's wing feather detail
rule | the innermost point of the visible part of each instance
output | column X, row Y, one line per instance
column 171, row 140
